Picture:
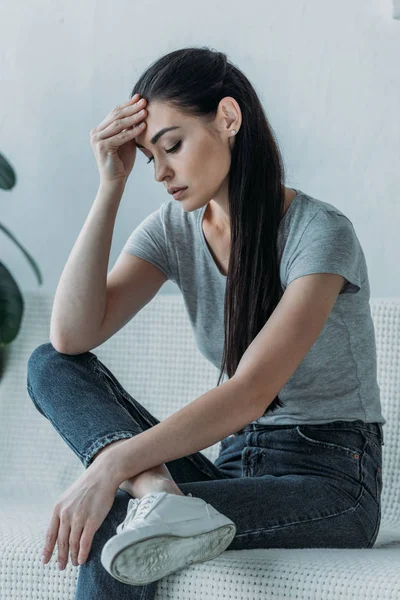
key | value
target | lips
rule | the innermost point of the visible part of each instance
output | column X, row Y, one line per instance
column 176, row 189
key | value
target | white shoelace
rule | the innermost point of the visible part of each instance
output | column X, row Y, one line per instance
column 133, row 510
column 137, row 508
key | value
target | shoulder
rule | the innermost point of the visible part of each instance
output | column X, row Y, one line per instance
column 305, row 208
column 310, row 216
column 320, row 238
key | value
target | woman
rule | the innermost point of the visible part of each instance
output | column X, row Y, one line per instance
column 276, row 289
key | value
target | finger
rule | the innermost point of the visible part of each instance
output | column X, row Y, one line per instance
column 74, row 540
column 117, row 113
column 121, row 123
column 63, row 539
column 134, row 98
column 86, row 541
column 51, row 537
column 125, row 136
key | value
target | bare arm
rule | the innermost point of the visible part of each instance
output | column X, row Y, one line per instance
column 80, row 300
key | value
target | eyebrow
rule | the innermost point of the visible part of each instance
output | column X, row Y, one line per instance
column 156, row 137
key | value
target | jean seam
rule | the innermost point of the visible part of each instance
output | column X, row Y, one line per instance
column 327, row 444
column 373, row 443
column 35, row 402
column 378, row 516
column 336, row 514
column 377, row 483
column 376, row 530
column 251, row 454
column 143, row 594
column 105, row 378
column 109, row 382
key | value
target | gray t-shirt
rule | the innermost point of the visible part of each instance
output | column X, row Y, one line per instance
column 337, row 379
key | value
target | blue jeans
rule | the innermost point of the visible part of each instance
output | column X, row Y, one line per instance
column 287, row 486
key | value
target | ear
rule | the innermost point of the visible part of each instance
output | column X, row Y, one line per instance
column 229, row 117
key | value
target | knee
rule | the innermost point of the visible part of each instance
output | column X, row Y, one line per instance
column 45, row 361
column 40, row 358
column 40, row 364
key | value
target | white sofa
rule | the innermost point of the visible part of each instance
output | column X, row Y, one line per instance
column 155, row 358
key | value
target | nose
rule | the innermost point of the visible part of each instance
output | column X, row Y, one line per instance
column 160, row 174
column 161, row 170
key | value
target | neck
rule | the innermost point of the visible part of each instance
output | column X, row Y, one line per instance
column 219, row 220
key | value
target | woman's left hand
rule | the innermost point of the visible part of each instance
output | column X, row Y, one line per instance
column 79, row 512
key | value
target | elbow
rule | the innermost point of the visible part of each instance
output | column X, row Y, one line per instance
column 61, row 348
column 57, row 346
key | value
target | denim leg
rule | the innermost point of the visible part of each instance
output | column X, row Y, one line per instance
column 73, row 395
column 94, row 582
column 299, row 487
column 283, row 488
column 89, row 409
column 292, row 499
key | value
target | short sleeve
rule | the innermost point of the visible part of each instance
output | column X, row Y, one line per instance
column 148, row 241
column 328, row 244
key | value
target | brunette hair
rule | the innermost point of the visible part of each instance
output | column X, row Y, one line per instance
column 194, row 80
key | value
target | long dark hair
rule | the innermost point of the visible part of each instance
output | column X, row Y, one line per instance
column 194, row 80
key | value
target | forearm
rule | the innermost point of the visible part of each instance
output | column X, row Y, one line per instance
column 202, row 423
column 80, row 300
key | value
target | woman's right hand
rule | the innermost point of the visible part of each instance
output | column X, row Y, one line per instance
column 113, row 141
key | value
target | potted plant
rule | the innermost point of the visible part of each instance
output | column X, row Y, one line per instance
column 11, row 299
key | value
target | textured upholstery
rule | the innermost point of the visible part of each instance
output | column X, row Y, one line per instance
column 155, row 358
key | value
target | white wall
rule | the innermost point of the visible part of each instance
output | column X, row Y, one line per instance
column 328, row 75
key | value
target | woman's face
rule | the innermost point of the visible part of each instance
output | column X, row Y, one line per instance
column 193, row 155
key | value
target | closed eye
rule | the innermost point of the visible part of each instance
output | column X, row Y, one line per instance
column 174, row 149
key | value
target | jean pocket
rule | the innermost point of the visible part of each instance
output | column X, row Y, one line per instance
column 375, row 444
column 345, row 441
column 337, row 453
column 254, row 461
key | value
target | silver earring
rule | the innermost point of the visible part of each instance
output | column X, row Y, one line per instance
column 233, row 132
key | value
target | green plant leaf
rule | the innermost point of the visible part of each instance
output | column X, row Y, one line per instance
column 28, row 256
column 8, row 177
column 11, row 307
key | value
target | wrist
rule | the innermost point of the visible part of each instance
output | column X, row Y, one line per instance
column 110, row 186
column 109, row 460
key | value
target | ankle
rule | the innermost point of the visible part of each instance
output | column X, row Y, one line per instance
column 127, row 487
column 157, row 486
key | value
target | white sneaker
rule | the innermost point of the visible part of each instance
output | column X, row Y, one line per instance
column 163, row 533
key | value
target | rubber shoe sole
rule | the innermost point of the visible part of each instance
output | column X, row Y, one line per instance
column 138, row 562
